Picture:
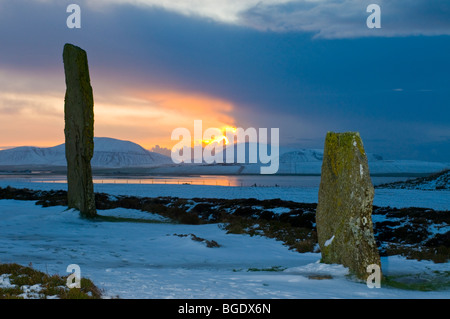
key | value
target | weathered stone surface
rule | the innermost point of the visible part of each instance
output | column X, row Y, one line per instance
column 79, row 130
column 344, row 211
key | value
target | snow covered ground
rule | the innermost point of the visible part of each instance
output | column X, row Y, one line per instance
column 147, row 260
column 142, row 260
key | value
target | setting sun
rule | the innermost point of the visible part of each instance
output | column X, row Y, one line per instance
column 218, row 139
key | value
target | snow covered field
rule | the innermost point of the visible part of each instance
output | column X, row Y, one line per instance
column 147, row 260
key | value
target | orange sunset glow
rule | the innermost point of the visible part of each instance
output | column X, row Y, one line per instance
column 148, row 118
column 143, row 117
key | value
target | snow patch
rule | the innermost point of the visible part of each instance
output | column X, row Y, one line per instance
column 5, row 281
column 132, row 213
column 31, row 292
column 275, row 210
column 329, row 241
column 319, row 268
column 280, row 210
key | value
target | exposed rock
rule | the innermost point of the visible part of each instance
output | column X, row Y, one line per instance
column 79, row 130
column 344, row 211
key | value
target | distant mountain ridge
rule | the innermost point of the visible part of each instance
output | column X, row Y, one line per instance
column 108, row 153
column 306, row 161
column 112, row 153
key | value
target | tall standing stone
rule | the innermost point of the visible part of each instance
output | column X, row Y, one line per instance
column 79, row 130
column 344, row 211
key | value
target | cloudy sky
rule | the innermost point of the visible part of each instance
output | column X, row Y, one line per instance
column 304, row 66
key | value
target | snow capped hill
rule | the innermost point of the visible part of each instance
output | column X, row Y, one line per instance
column 108, row 153
column 439, row 181
column 313, row 156
column 406, row 167
column 113, row 153
column 28, row 155
column 303, row 155
column 306, row 161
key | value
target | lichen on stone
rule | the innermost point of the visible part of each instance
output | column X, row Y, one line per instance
column 344, row 203
column 79, row 130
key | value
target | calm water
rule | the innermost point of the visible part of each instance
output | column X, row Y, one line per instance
column 220, row 180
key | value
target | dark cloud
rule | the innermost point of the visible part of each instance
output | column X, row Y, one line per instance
column 313, row 78
column 347, row 18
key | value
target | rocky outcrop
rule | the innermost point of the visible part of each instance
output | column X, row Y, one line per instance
column 79, row 130
column 344, row 211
